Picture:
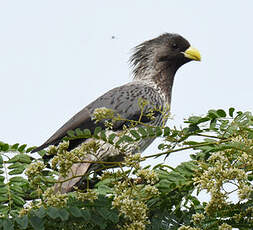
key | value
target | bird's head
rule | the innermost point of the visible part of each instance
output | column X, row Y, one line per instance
column 166, row 52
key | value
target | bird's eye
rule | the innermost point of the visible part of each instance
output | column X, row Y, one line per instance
column 174, row 46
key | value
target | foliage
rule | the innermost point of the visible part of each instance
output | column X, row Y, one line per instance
column 132, row 196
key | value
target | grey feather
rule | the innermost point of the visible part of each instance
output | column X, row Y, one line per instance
column 155, row 63
column 123, row 100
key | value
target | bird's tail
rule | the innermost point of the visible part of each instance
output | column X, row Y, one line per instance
column 76, row 172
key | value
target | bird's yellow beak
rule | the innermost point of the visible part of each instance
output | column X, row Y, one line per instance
column 192, row 53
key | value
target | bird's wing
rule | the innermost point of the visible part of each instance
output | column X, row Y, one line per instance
column 123, row 100
column 81, row 119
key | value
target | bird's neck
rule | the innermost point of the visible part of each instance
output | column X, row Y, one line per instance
column 162, row 81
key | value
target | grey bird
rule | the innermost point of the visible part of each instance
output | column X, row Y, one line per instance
column 155, row 63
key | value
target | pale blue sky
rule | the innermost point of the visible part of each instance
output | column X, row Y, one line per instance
column 57, row 56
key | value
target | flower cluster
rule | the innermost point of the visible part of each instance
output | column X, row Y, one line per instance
column 244, row 191
column 225, row 172
column 133, row 160
column 90, row 195
column 188, row 228
column 34, row 174
column 148, row 175
column 151, row 190
column 134, row 210
column 34, row 169
column 88, row 147
column 30, row 206
column 225, row 227
column 220, row 169
column 130, row 195
column 103, row 113
column 198, row 217
column 53, row 199
column 64, row 159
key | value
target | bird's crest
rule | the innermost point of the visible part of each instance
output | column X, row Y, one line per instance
column 143, row 54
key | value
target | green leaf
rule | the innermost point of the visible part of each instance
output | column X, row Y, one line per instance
column 166, row 131
column 224, row 125
column 126, row 138
column 213, row 124
column 250, row 135
column 76, row 212
column 162, row 174
column 22, row 222
column 15, row 146
column 104, row 189
column 114, row 216
column 4, row 198
column 106, row 181
column 19, row 201
column 22, row 148
column 18, row 179
column 203, row 119
column 4, row 190
column 53, row 212
column 86, row 133
column 191, row 143
column 44, row 152
column 86, row 214
column 71, row 133
column 4, row 147
column 213, row 114
column 14, row 159
column 16, row 171
column 135, row 134
column 164, row 185
column 4, row 209
column 99, row 221
column 34, row 195
column 194, row 200
column 97, row 131
column 1, row 160
column 231, row 112
column 78, row 132
column 175, row 177
column 7, row 225
column 41, row 212
column 104, row 212
column 63, row 214
column 193, row 128
column 16, row 165
column 158, row 131
column 151, row 132
column 24, row 158
column 28, row 150
column 103, row 135
column 142, row 131
column 193, row 119
column 111, row 138
column 221, row 113
column 161, row 146
column 16, row 188
column 36, row 222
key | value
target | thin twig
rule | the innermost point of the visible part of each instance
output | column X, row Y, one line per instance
column 185, row 148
